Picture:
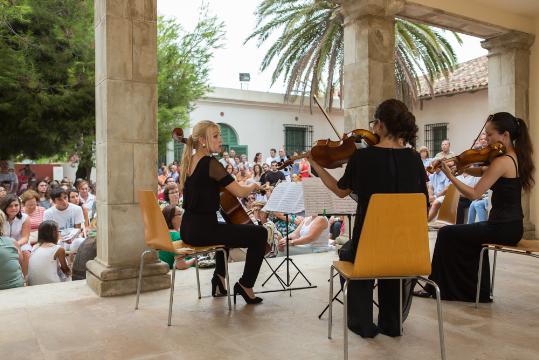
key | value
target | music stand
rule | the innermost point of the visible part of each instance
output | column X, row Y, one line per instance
column 287, row 197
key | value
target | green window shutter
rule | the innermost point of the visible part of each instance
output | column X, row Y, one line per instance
column 228, row 134
column 297, row 138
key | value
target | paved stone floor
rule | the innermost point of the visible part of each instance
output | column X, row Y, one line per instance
column 67, row 321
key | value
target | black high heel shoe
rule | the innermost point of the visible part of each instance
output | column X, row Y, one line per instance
column 217, row 287
column 238, row 289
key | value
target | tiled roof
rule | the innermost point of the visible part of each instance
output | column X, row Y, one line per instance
column 468, row 76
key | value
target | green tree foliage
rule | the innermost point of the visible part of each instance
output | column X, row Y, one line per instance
column 47, row 90
column 183, row 69
column 309, row 48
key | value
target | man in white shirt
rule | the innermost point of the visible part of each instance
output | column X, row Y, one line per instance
column 273, row 157
column 68, row 216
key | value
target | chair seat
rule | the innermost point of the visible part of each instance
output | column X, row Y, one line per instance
column 186, row 249
column 528, row 246
column 345, row 268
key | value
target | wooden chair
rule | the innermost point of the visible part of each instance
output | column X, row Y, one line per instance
column 394, row 244
column 447, row 215
column 524, row 247
column 157, row 237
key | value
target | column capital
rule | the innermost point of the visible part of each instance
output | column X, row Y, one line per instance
column 355, row 9
column 514, row 40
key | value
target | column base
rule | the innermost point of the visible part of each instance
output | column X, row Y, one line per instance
column 529, row 231
column 113, row 281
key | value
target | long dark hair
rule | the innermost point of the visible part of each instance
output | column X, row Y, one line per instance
column 519, row 135
column 259, row 168
column 47, row 232
column 399, row 122
column 7, row 200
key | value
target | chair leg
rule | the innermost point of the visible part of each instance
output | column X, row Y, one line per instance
column 400, row 307
column 173, row 278
column 345, row 317
column 330, row 307
column 198, row 277
column 227, row 280
column 139, row 281
column 493, row 274
column 479, row 273
column 440, row 317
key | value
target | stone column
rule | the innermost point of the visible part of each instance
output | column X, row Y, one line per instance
column 369, row 57
column 126, row 141
column 508, row 87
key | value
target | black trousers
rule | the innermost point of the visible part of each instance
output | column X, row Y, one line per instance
column 360, row 305
column 464, row 203
column 204, row 230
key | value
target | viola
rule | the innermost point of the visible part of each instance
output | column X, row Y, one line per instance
column 471, row 157
column 333, row 154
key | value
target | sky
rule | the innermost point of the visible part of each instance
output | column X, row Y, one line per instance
column 236, row 57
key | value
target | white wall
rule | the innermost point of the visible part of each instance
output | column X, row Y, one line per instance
column 259, row 118
column 465, row 114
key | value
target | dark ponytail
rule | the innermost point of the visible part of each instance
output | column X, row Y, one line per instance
column 519, row 135
column 398, row 121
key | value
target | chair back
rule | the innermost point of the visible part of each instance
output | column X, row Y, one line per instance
column 156, row 232
column 394, row 239
column 448, row 210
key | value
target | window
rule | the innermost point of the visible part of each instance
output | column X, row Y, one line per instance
column 434, row 135
column 229, row 136
column 297, row 138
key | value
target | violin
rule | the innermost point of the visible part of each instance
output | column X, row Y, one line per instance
column 471, row 157
column 333, row 154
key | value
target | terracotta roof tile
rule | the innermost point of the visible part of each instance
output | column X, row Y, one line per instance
column 468, row 76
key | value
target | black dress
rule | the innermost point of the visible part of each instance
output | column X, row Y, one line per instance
column 200, row 227
column 456, row 255
column 369, row 171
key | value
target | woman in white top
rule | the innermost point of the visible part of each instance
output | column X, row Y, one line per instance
column 17, row 226
column 48, row 260
column 311, row 236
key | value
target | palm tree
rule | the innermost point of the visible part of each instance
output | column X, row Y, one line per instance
column 309, row 51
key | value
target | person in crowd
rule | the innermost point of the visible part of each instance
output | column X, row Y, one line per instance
column 3, row 192
column 75, row 199
column 233, row 157
column 66, row 183
column 438, row 184
column 171, row 195
column 243, row 174
column 237, row 161
column 201, row 176
column 17, row 226
column 88, row 199
column 11, row 260
column 265, row 168
column 48, row 262
column 30, row 207
column 8, row 178
column 478, row 210
column 446, row 152
column 282, row 158
column 173, row 169
column 425, row 158
column 464, row 202
column 311, row 236
column 173, row 217
column 393, row 168
column 230, row 170
column 456, row 254
column 245, row 162
column 160, row 169
column 68, row 216
column 257, row 173
column 272, row 156
column 304, row 168
column 279, row 219
column 272, row 176
column 164, row 175
column 336, row 227
column 258, row 159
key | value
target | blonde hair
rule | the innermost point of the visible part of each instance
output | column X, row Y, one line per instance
column 200, row 131
column 2, row 221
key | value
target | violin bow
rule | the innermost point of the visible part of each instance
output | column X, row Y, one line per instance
column 326, row 115
column 480, row 131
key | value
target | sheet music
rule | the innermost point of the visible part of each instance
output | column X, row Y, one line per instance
column 317, row 198
column 287, row 197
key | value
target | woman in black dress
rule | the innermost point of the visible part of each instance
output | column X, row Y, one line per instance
column 456, row 255
column 200, row 178
column 388, row 167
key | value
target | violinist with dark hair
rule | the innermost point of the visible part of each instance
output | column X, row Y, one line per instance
column 456, row 254
column 389, row 166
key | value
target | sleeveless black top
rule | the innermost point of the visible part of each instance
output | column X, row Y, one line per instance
column 506, row 204
column 201, row 188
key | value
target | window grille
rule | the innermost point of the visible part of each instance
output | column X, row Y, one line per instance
column 434, row 135
column 297, row 138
